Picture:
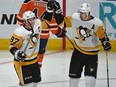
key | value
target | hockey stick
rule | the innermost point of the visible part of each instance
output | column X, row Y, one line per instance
column 24, row 51
column 29, row 37
column 107, row 69
column 106, row 52
column 28, row 41
column 106, row 56
column 70, row 40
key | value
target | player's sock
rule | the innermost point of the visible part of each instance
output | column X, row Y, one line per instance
column 90, row 81
column 28, row 85
column 35, row 84
column 73, row 82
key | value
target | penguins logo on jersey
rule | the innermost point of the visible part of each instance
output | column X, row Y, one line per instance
column 34, row 40
column 82, row 33
column 35, row 37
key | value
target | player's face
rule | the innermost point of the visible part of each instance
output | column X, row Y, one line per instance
column 31, row 21
column 29, row 24
column 83, row 16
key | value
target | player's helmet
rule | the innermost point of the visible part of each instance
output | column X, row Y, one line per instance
column 85, row 7
column 27, row 15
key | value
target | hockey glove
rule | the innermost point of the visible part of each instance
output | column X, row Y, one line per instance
column 61, row 32
column 20, row 55
column 57, row 8
column 50, row 6
column 58, row 13
column 105, row 43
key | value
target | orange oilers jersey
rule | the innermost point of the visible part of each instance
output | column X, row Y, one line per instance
column 38, row 7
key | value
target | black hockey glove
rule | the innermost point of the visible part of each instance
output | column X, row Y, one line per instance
column 61, row 33
column 57, row 8
column 58, row 13
column 50, row 6
column 105, row 43
column 20, row 55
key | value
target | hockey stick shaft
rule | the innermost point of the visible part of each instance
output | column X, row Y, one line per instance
column 106, row 55
column 107, row 69
column 29, row 38
column 70, row 41
column 28, row 43
column 24, row 51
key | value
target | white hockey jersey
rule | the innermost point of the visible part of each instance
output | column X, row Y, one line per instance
column 22, row 36
column 86, row 34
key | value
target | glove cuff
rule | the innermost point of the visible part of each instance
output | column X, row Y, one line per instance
column 104, row 39
column 49, row 11
column 59, row 11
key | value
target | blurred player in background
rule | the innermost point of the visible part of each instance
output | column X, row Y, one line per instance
column 38, row 7
column 24, row 45
column 87, row 32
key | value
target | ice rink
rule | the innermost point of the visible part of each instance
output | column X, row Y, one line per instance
column 55, row 70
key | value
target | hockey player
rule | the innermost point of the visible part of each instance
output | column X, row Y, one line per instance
column 24, row 45
column 38, row 7
column 87, row 31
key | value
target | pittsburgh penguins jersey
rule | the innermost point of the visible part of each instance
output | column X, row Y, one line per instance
column 27, row 41
column 86, row 34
